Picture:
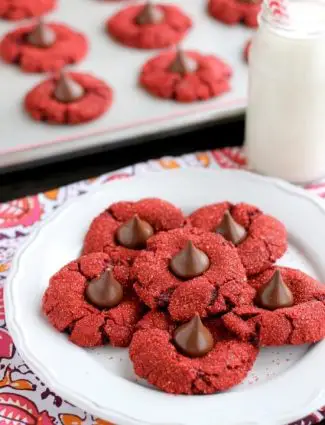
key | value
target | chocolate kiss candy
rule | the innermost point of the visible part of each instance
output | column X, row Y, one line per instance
column 104, row 291
column 183, row 64
column 67, row 90
column 41, row 36
column 134, row 233
column 149, row 14
column 193, row 339
column 231, row 230
column 189, row 262
column 274, row 294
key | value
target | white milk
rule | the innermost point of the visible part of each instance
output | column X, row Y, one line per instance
column 285, row 126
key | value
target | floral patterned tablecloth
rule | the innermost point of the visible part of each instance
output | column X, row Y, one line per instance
column 24, row 399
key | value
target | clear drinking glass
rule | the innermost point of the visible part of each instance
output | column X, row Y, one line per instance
column 285, row 124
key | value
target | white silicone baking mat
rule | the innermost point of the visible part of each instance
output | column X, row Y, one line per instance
column 134, row 113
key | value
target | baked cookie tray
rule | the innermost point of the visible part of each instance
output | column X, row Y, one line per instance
column 134, row 113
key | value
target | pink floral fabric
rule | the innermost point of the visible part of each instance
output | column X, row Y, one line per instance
column 24, row 399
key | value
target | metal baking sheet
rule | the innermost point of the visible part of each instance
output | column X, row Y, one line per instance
column 134, row 113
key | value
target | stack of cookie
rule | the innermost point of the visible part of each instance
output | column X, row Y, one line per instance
column 74, row 97
column 193, row 297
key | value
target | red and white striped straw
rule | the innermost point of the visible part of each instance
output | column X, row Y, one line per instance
column 278, row 9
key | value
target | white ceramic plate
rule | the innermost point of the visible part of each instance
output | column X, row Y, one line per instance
column 134, row 113
column 286, row 383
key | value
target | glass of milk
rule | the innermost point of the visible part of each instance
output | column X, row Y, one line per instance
column 285, row 123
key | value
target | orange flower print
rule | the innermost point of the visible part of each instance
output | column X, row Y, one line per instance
column 203, row 158
column 17, row 384
column 4, row 267
column 52, row 195
column 169, row 163
column 24, row 211
column 102, row 422
column 68, row 419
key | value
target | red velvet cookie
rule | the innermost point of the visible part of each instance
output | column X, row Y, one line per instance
column 14, row 10
column 301, row 323
column 155, row 358
column 206, row 77
column 101, row 236
column 67, row 47
column 67, row 308
column 94, row 100
column 170, row 27
column 266, row 238
column 235, row 11
column 220, row 287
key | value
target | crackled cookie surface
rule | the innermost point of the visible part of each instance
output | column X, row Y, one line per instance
column 233, row 12
column 155, row 357
column 70, row 98
column 185, row 76
column 43, row 47
column 300, row 320
column 260, row 239
column 206, row 288
column 139, row 220
column 149, row 26
column 14, row 10
column 72, row 307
